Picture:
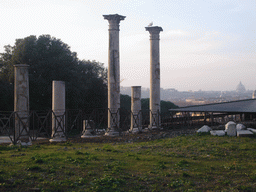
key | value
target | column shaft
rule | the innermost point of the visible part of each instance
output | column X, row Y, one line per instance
column 21, row 102
column 58, row 111
column 154, row 77
column 136, row 109
column 113, row 71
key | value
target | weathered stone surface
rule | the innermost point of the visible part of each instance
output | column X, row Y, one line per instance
column 113, row 72
column 21, row 103
column 230, row 128
column 112, row 133
column 87, row 129
column 154, row 77
column 244, row 133
column 240, row 126
column 58, row 108
column 218, row 132
column 204, row 129
column 252, row 130
column 136, row 118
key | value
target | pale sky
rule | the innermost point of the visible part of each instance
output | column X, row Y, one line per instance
column 205, row 44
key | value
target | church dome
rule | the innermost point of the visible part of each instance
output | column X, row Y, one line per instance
column 240, row 88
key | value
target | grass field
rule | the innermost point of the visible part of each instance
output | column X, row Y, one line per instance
column 183, row 163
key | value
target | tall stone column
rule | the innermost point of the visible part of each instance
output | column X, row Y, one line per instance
column 136, row 109
column 154, row 77
column 254, row 94
column 21, row 103
column 58, row 111
column 113, row 74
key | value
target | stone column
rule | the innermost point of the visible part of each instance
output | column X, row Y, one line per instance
column 113, row 74
column 154, row 77
column 136, row 109
column 21, row 104
column 58, row 111
column 254, row 94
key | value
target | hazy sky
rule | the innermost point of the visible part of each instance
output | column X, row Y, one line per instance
column 205, row 44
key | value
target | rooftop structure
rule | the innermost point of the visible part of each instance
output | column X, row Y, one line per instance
column 240, row 88
column 239, row 106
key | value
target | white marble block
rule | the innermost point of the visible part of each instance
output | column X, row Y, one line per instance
column 240, row 126
column 218, row 132
column 204, row 129
column 230, row 128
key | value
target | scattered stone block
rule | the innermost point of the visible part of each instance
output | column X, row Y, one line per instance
column 244, row 133
column 221, row 127
column 240, row 126
column 218, row 132
column 204, row 129
column 252, row 130
column 230, row 128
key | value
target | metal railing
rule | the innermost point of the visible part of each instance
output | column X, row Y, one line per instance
column 48, row 124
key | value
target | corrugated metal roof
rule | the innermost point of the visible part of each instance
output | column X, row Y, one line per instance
column 240, row 106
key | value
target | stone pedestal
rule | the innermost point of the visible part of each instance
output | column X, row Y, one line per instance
column 113, row 74
column 58, row 111
column 230, row 128
column 87, row 130
column 154, row 77
column 244, row 133
column 21, row 104
column 136, row 110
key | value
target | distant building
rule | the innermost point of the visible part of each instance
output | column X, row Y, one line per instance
column 240, row 88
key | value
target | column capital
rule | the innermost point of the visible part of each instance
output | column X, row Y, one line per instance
column 21, row 65
column 114, row 20
column 154, row 32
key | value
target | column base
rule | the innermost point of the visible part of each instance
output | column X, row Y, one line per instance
column 112, row 133
column 135, row 130
column 145, row 130
column 89, row 136
column 154, row 127
column 22, row 143
column 58, row 139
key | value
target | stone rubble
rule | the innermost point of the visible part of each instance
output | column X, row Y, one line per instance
column 252, row 130
column 218, row 132
column 240, row 126
column 231, row 129
column 204, row 129
column 244, row 133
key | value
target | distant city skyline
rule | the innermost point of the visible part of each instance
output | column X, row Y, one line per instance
column 207, row 45
column 240, row 86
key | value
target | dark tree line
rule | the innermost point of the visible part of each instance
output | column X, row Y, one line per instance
column 51, row 59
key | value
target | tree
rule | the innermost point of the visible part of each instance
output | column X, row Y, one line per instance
column 6, row 96
column 51, row 59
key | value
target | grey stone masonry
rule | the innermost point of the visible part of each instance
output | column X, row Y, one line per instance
column 154, row 76
column 58, row 109
column 113, row 73
column 244, row 133
column 21, row 103
column 136, row 109
column 230, row 128
column 252, row 130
